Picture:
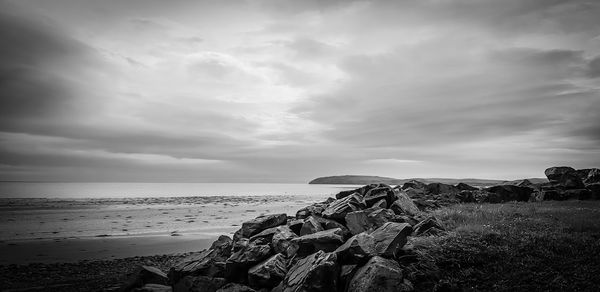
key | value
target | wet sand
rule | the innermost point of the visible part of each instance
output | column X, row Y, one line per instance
column 60, row 230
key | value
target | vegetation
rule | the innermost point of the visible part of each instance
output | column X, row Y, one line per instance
column 546, row 246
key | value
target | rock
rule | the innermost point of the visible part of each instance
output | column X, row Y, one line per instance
column 506, row 193
column 414, row 184
column 223, row 246
column 380, row 193
column 311, row 225
column 577, row 194
column 296, row 225
column 235, row 287
column 266, row 234
column 381, row 204
column 205, row 264
column 594, row 189
column 564, row 176
column 589, row 175
column 327, row 241
column 344, row 194
column 426, row 205
column 314, row 209
column 316, row 272
column 390, row 238
column 404, row 205
column 358, row 221
column 346, row 274
column 332, row 224
column 237, row 265
column 356, row 250
column 281, row 241
column 261, row 223
column 466, row 197
column 440, row 188
column 378, row 274
column 465, row 187
column 145, row 275
column 427, row 225
column 379, row 217
column 198, row 284
column 269, row 272
column 153, row 288
column 338, row 209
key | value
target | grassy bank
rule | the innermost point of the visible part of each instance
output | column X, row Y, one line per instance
column 547, row 246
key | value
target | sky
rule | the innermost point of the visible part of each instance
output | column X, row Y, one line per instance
column 287, row 91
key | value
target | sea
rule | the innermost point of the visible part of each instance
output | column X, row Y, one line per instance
column 71, row 190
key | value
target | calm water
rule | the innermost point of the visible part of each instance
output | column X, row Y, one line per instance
column 129, row 190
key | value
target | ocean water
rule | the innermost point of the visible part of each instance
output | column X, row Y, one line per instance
column 148, row 190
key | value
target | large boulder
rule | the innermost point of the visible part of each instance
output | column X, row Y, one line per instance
column 390, row 238
column 315, row 209
column 428, row 226
column 311, row 225
column 440, row 188
column 358, row 221
column 564, row 176
column 206, row 263
column 380, row 193
column 465, row 187
column 589, row 175
column 145, row 275
column 404, row 205
column 316, row 272
column 338, row 209
column 237, row 265
column 199, row 284
column 379, row 275
column 327, row 240
column 356, row 250
column 414, row 184
column 332, row 224
column 381, row 216
column 223, row 246
column 282, row 241
column 261, row 223
column 506, row 193
column 268, row 273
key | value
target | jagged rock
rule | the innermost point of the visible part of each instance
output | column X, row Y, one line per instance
column 344, row 194
column 380, row 193
column 426, row 205
column 261, row 223
column 316, row 272
column 327, row 240
column 332, row 224
column 282, row 241
column 198, row 284
column 266, row 234
column 431, row 224
column 358, row 221
column 414, row 184
column 465, row 187
column 506, row 193
column 577, row 194
column 311, row 225
column 466, row 197
column 381, row 216
column 346, row 274
column 390, row 238
column 153, row 288
column 381, row 204
column 235, row 287
column 378, row 274
column 589, row 175
column 295, row 225
column 314, row 209
column 223, row 246
column 338, row 209
column 404, row 205
column 145, row 275
column 237, row 265
column 205, row 264
column 440, row 188
column 356, row 250
column 268, row 273
column 564, row 176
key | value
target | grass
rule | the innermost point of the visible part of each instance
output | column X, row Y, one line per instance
column 547, row 246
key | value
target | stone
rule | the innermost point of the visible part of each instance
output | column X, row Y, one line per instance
column 426, row 225
column 404, row 205
column 589, row 175
column 358, row 221
column 390, row 238
column 466, row 197
column 145, row 275
column 223, row 246
column 237, row 265
column 577, row 194
column 153, row 288
column 381, row 204
column 266, row 234
column 327, row 241
column 261, row 223
column 199, row 284
column 564, row 176
column 379, row 217
column 295, row 225
column 465, row 187
column 316, row 272
column 594, row 189
column 440, row 188
column 311, row 225
column 344, row 194
column 346, row 274
column 204, row 263
column 282, row 241
column 379, row 275
column 314, row 209
column 507, row 193
column 268, row 273
column 338, row 209
column 380, row 193
column 414, row 184
column 235, row 287
column 356, row 250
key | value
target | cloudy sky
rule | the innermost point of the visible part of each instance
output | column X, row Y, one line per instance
column 285, row 91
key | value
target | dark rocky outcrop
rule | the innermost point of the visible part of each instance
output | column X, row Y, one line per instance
column 327, row 240
column 145, row 275
column 206, row 263
column 316, row 272
column 506, row 193
column 358, row 249
column 261, row 223
column 311, row 225
column 269, row 272
column 564, row 176
column 282, row 241
column 378, row 274
column 237, row 265
column 390, row 238
column 404, row 205
column 338, row 209
column 428, row 226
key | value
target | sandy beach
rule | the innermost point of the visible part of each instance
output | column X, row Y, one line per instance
column 69, row 230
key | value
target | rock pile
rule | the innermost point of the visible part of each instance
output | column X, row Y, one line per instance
column 351, row 243
column 566, row 183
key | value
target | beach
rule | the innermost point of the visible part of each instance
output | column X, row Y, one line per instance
column 42, row 230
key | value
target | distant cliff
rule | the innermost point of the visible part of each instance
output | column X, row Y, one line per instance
column 368, row 179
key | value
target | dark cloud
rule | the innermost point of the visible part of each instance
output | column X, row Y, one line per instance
column 594, row 67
